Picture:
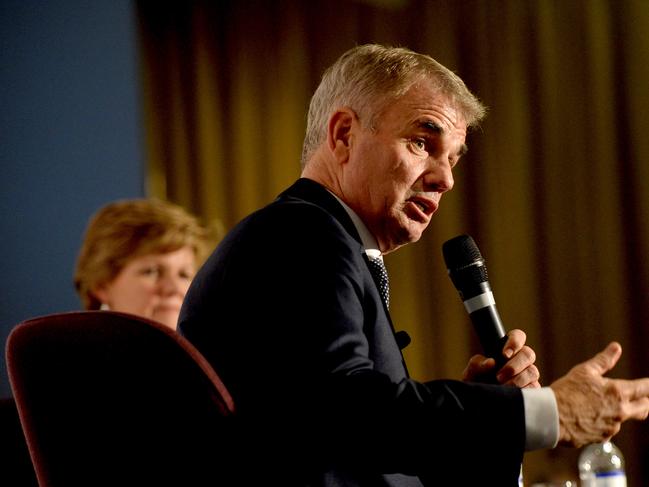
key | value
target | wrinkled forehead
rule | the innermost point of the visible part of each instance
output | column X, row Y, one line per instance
column 423, row 100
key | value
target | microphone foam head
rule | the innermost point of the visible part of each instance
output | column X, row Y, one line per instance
column 460, row 251
column 464, row 262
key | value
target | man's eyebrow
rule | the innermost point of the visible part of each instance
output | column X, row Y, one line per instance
column 431, row 126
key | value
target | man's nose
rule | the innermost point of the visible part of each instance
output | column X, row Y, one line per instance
column 440, row 178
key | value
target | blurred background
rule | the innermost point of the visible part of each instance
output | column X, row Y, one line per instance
column 203, row 103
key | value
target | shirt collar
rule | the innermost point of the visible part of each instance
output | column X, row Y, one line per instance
column 370, row 245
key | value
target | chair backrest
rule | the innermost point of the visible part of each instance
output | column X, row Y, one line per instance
column 16, row 468
column 107, row 398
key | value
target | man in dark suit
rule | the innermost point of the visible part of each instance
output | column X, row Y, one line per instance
column 291, row 316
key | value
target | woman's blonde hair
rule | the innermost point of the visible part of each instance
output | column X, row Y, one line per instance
column 127, row 229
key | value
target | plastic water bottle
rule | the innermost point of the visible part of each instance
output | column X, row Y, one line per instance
column 602, row 465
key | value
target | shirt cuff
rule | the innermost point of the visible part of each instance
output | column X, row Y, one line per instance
column 541, row 418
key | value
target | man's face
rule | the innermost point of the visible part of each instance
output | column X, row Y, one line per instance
column 397, row 173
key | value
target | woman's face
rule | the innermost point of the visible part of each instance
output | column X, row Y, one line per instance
column 152, row 286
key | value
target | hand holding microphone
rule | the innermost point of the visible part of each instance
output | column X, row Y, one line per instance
column 468, row 272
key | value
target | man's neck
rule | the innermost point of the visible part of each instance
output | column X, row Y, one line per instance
column 370, row 244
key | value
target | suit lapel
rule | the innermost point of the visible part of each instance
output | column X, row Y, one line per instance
column 317, row 194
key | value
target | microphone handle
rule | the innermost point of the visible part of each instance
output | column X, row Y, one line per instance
column 491, row 335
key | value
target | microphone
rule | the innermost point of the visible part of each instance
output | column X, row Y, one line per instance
column 466, row 268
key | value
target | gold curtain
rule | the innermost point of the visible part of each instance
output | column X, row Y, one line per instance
column 555, row 188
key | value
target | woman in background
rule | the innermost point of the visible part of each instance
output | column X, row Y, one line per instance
column 139, row 256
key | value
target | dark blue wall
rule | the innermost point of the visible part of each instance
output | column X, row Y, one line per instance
column 70, row 141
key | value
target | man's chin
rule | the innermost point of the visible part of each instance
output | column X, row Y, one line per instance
column 408, row 238
column 412, row 234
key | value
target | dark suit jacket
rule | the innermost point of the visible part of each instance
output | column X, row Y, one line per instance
column 287, row 312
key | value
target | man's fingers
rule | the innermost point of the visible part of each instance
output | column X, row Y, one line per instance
column 524, row 359
column 515, row 341
column 639, row 409
column 529, row 376
column 637, row 389
column 606, row 359
column 478, row 365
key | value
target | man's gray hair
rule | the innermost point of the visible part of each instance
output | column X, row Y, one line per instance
column 367, row 78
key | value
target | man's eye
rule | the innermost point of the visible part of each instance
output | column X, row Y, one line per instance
column 419, row 144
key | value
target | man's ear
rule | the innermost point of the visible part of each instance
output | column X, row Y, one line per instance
column 340, row 133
